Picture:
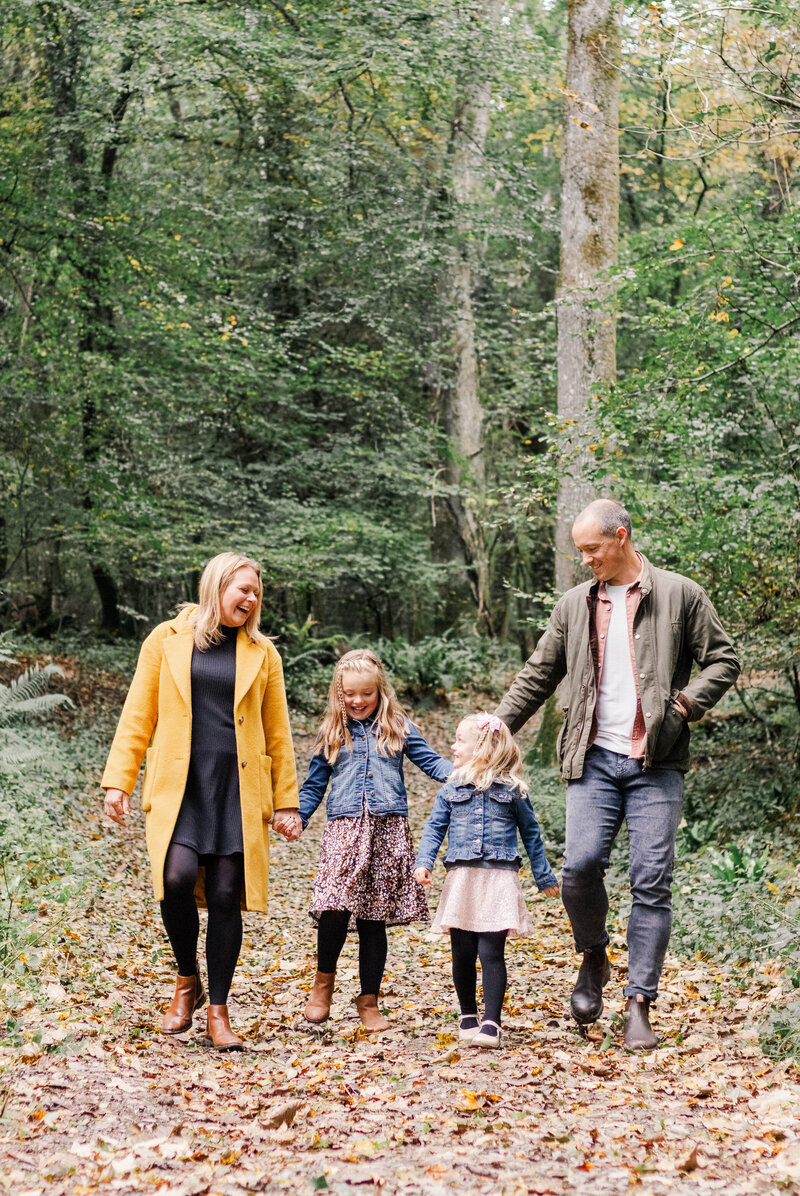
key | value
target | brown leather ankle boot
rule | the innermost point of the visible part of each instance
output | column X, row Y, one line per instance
column 218, row 1029
column 638, row 1032
column 371, row 1017
column 586, row 1001
column 320, row 997
column 188, row 996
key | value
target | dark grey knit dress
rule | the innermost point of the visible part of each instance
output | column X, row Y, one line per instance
column 210, row 817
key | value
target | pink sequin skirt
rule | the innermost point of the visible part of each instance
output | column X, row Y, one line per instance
column 367, row 867
column 484, row 900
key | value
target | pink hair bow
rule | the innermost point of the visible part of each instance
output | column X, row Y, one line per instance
column 489, row 720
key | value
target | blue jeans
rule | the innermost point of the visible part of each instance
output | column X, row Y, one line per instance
column 650, row 800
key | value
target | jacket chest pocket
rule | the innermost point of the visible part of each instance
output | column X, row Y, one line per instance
column 461, row 805
column 501, row 810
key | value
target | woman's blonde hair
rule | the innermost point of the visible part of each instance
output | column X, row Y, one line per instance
column 496, row 757
column 216, row 577
column 391, row 721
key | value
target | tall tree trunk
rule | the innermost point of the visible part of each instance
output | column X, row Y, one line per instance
column 64, row 50
column 589, row 235
column 462, row 414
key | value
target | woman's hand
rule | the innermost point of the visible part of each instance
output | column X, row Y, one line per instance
column 116, row 805
column 551, row 892
column 288, row 824
column 423, row 876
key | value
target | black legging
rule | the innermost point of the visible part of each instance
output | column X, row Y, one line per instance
column 224, row 882
column 467, row 946
column 331, row 934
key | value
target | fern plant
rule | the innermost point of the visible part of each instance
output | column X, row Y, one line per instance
column 23, row 700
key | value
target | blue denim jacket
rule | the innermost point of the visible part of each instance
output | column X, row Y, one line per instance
column 363, row 773
column 483, row 825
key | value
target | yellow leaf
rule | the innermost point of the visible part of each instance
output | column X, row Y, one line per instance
column 677, row 244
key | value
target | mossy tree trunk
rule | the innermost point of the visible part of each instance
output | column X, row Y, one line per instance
column 462, row 413
column 589, row 238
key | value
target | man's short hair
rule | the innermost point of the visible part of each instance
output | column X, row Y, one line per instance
column 609, row 515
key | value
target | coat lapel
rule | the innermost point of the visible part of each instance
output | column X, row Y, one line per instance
column 249, row 658
column 178, row 652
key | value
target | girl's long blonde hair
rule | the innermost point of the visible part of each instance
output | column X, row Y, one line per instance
column 496, row 757
column 391, row 721
column 216, row 577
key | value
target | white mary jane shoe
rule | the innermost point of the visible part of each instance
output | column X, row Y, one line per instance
column 466, row 1034
column 487, row 1040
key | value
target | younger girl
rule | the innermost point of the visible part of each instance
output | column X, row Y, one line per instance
column 366, row 867
column 482, row 807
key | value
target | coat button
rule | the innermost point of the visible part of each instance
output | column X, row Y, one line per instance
column 244, row 764
column 241, row 719
column 637, row 636
column 649, row 714
column 369, row 774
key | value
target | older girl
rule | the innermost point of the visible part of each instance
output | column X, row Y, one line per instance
column 481, row 808
column 208, row 698
column 365, row 871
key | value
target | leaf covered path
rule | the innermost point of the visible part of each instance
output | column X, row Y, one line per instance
column 97, row 1100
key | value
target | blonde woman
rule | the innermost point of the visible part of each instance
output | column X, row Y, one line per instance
column 207, row 707
column 365, row 871
column 481, row 808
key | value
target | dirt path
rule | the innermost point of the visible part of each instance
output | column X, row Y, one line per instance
column 96, row 1100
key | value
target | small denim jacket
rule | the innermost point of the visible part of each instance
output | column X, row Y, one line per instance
column 483, row 825
column 363, row 774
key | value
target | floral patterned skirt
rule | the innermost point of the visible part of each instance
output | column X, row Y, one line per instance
column 367, row 867
column 483, row 900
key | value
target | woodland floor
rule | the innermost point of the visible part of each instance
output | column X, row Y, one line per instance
column 104, row 1103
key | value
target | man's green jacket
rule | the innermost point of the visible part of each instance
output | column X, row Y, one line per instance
column 675, row 626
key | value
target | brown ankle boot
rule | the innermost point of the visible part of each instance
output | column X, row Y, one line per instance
column 371, row 1017
column 638, row 1033
column 218, row 1029
column 189, row 996
column 320, row 997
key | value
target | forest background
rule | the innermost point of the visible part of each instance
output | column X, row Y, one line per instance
column 336, row 285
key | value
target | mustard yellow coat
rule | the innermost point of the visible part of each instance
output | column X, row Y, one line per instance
column 156, row 723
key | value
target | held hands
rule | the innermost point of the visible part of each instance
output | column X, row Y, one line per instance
column 288, row 824
column 423, row 876
column 116, row 805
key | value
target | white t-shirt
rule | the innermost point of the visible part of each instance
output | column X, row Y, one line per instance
column 616, row 698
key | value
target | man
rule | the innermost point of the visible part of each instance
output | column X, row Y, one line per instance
column 626, row 643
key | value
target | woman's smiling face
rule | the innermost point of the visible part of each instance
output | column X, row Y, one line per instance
column 239, row 597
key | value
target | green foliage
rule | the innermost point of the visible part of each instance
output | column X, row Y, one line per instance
column 436, row 665
column 41, row 865
column 23, row 700
column 222, row 313
column 739, row 863
column 308, row 663
column 548, row 797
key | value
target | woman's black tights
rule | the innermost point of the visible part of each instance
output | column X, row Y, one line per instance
column 224, row 881
column 467, row 946
column 331, row 934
